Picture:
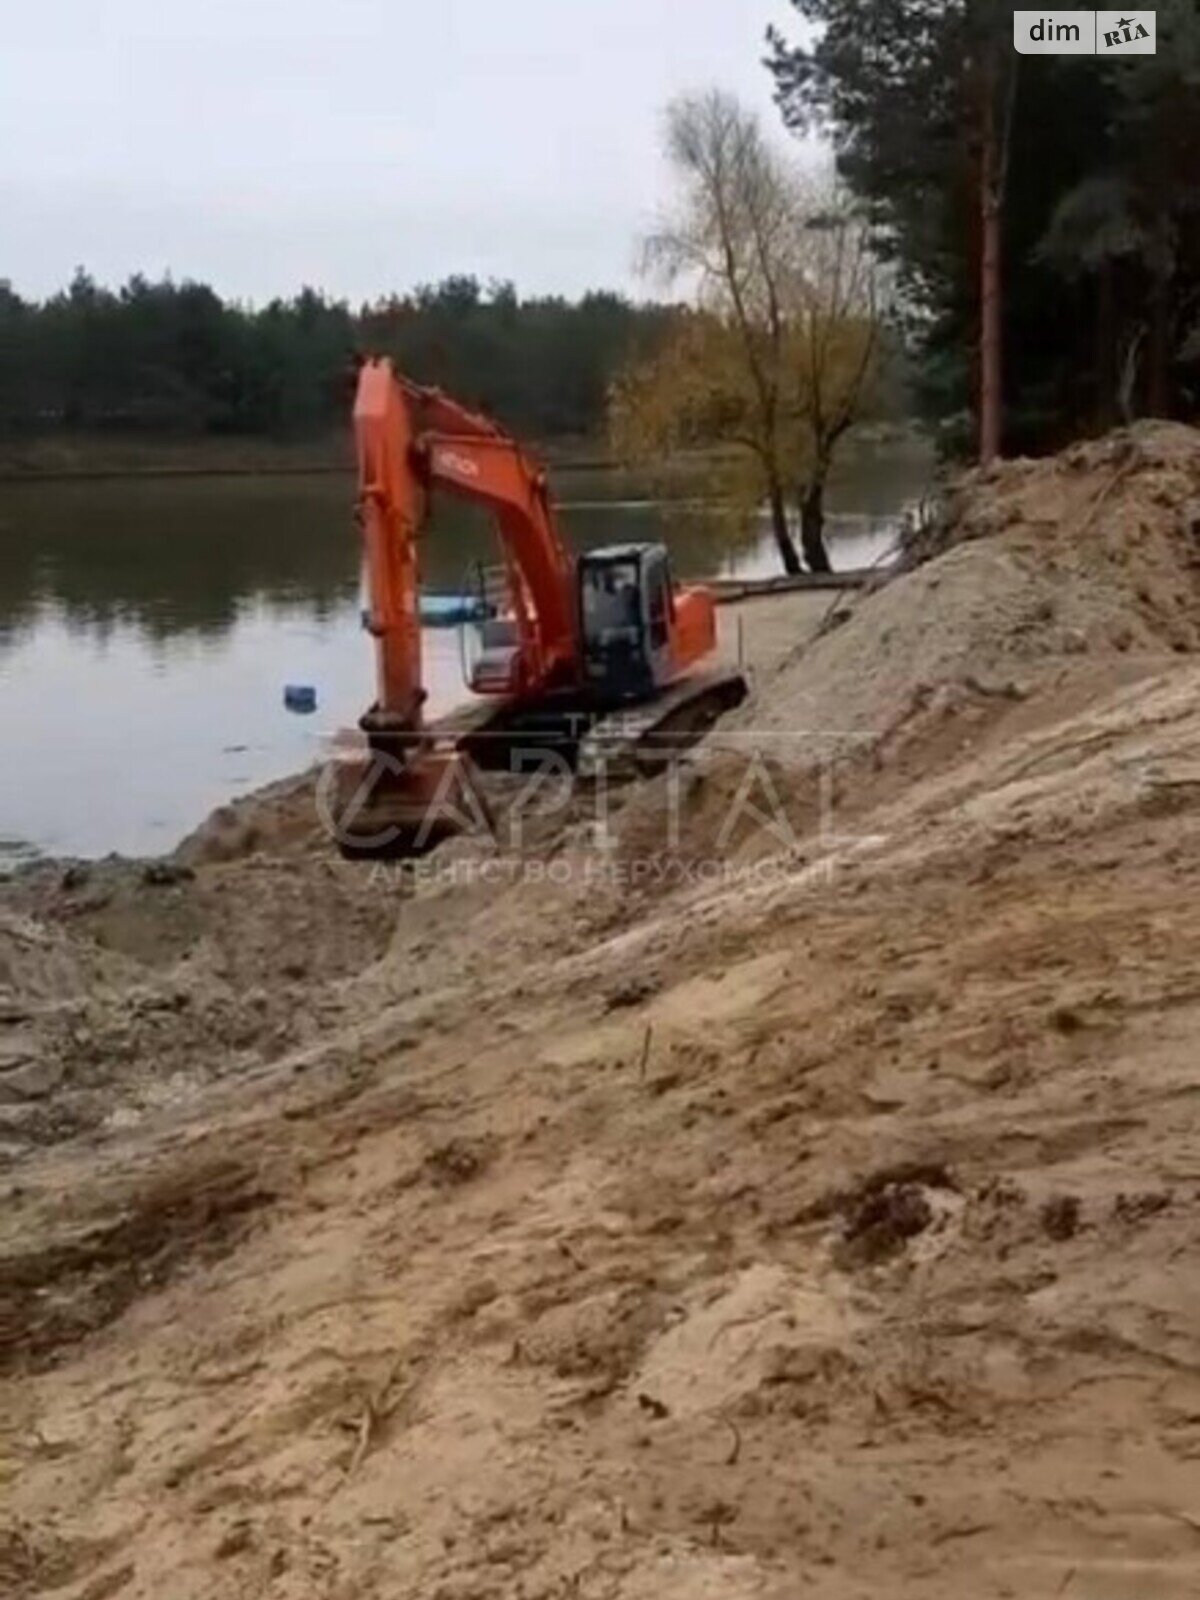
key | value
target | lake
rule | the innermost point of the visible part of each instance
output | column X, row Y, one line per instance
column 147, row 627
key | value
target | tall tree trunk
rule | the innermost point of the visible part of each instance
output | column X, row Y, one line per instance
column 788, row 553
column 1106, row 347
column 1158, row 354
column 991, row 378
column 812, row 526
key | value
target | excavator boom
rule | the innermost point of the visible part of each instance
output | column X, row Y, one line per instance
column 412, row 440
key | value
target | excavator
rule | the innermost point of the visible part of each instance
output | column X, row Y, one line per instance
column 575, row 648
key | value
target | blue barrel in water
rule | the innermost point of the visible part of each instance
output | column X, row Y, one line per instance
column 301, row 697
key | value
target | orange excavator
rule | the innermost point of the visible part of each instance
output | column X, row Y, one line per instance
column 571, row 641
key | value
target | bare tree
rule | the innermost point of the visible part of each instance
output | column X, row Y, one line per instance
column 778, row 352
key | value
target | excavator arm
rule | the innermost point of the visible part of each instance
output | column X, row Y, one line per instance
column 410, row 441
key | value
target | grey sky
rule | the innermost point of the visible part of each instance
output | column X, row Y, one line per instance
column 357, row 145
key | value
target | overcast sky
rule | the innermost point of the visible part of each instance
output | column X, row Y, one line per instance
column 357, row 145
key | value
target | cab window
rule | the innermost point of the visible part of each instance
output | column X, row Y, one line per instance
column 610, row 599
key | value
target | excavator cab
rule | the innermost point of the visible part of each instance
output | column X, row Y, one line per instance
column 627, row 612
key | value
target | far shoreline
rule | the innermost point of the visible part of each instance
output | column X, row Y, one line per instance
column 96, row 458
column 100, row 457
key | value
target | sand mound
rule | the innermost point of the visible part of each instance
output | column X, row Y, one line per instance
column 278, row 820
column 1093, row 552
column 128, row 985
column 1041, row 587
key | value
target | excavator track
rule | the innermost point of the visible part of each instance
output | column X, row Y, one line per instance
column 637, row 741
column 383, row 810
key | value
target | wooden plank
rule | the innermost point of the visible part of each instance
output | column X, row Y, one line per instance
column 728, row 590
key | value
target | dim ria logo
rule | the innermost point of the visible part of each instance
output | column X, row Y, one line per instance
column 1084, row 33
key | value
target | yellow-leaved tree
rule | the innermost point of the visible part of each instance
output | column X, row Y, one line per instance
column 776, row 353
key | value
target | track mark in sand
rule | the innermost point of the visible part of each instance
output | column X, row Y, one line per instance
column 57, row 1294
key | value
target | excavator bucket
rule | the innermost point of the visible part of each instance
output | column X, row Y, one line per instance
column 377, row 807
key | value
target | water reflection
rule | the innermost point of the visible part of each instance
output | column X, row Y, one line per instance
column 187, row 555
column 171, row 556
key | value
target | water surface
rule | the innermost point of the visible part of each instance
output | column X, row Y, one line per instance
column 147, row 627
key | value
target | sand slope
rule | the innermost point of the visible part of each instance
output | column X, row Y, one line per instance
column 827, row 1229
